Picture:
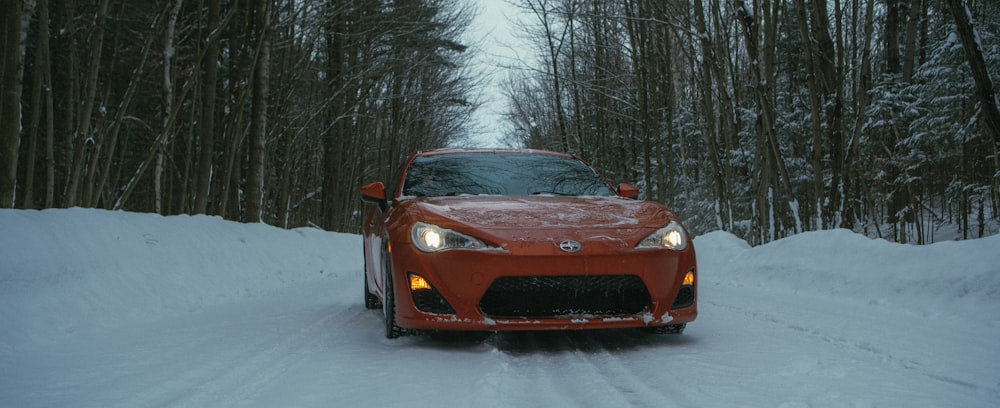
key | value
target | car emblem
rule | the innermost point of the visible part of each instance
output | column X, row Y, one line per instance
column 570, row 246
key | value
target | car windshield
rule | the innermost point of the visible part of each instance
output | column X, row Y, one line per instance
column 501, row 174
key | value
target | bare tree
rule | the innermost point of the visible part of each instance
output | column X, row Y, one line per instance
column 11, row 60
column 258, row 116
column 775, row 216
column 710, row 106
column 83, row 134
column 984, row 85
column 554, row 37
column 206, row 124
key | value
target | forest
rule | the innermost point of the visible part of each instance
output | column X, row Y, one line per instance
column 765, row 118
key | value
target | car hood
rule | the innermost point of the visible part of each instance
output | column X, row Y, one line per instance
column 499, row 213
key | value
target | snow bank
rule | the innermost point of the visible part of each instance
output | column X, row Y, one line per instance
column 951, row 278
column 75, row 270
column 69, row 270
column 116, row 309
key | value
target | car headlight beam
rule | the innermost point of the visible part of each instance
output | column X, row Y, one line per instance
column 432, row 238
column 671, row 236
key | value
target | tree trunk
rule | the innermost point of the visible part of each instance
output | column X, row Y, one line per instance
column 82, row 135
column 41, row 86
column 892, row 57
column 336, row 54
column 984, row 85
column 11, row 60
column 557, row 88
column 206, row 124
column 583, row 137
column 709, row 129
column 910, row 46
column 554, row 47
column 853, row 184
column 237, row 57
column 258, row 116
column 898, row 194
column 638, row 34
column 669, row 173
column 135, row 82
column 772, row 191
column 46, row 68
column 166, row 128
column 815, row 108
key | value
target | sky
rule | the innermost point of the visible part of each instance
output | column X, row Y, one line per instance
column 495, row 35
column 110, row 309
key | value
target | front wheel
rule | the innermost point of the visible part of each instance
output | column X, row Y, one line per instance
column 371, row 301
column 388, row 300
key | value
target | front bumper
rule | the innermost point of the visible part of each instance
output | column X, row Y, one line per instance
column 547, row 290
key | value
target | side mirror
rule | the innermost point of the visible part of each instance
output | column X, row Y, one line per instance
column 628, row 191
column 375, row 193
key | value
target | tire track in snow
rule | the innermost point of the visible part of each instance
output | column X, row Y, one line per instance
column 268, row 347
column 268, row 358
column 840, row 341
column 860, row 346
column 605, row 350
column 544, row 372
column 493, row 386
column 586, row 369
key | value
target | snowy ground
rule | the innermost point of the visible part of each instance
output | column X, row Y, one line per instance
column 115, row 309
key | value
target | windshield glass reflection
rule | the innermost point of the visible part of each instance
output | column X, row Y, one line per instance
column 501, row 174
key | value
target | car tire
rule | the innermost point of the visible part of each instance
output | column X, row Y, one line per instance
column 371, row 301
column 388, row 299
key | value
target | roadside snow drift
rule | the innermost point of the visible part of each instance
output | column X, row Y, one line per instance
column 62, row 271
column 117, row 309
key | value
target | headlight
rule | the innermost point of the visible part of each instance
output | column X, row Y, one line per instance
column 672, row 236
column 432, row 238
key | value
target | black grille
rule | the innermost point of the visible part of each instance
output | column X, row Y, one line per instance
column 685, row 297
column 548, row 296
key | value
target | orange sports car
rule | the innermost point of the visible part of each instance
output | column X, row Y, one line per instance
column 491, row 240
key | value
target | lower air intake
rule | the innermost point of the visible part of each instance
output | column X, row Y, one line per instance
column 552, row 296
column 430, row 301
column 685, row 297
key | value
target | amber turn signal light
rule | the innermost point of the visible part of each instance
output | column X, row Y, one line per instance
column 417, row 282
column 689, row 278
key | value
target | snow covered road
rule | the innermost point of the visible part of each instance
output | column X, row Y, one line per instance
column 783, row 325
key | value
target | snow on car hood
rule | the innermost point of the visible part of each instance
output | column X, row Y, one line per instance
column 537, row 212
